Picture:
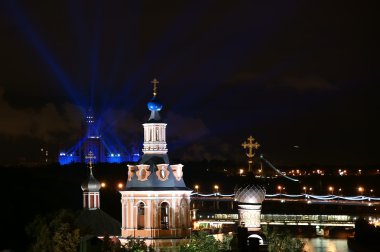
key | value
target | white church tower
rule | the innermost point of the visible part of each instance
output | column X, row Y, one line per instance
column 156, row 201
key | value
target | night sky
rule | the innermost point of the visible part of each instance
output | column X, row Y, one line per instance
column 290, row 73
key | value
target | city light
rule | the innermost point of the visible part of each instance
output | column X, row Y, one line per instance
column 361, row 190
column 120, row 185
column 279, row 188
column 241, row 171
column 304, row 188
column 216, row 187
column 103, row 185
column 196, row 188
column 331, row 189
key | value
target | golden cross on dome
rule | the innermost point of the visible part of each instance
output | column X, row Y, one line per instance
column 90, row 156
column 154, row 82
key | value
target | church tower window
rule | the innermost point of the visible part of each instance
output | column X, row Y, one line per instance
column 164, row 215
column 140, row 215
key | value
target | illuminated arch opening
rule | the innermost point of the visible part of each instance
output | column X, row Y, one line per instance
column 141, row 215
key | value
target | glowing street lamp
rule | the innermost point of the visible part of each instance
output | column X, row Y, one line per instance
column 216, row 187
column 361, row 190
column 279, row 188
column 196, row 188
column 304, row 188
column 241, row 171
column 103, row 185
column 120, row 185
column 331, row 189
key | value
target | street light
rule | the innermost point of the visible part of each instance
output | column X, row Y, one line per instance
column 304, row 188
column 241, row 171
column 120, row 185
column 361, row 190
column 196, row 188
column 103, row 184
column 216, row 187
column 331, row 189
column 279, row 188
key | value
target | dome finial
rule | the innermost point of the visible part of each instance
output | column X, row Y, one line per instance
column 90, row 156
column 154, row 82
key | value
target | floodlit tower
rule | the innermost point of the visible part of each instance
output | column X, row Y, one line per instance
column 155, row 200
column 93, row 142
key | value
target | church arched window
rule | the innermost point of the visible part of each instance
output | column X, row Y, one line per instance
column 140, row 215
column 164, row 215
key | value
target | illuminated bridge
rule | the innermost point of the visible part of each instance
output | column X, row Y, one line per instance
column 305, row 198
column 216, row 220
column 219, row 211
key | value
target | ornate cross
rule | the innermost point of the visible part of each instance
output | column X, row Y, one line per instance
column 251, row 145
column 154, row 82
column 90, row 156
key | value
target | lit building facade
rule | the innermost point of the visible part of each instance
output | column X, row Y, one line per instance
column 156, row 201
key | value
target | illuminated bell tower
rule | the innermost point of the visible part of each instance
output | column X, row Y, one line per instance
column 155, row 201
column 91, row 188
column 155, row 130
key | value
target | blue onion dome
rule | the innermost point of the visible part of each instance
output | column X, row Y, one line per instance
column 91, row 184
column 154, row 104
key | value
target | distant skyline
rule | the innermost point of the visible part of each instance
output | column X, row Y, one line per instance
column 290, row 73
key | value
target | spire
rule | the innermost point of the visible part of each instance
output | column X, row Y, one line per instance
column 154, row 105
column 154, row 82
column 91, row 187
column 90, row 157
column 154, row 129
column 90, row 120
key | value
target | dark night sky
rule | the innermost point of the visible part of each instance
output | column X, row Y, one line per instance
column 290, row 73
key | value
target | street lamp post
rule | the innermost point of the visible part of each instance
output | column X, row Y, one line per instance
column 279, row 188
column 216, row 187
column 361, row 190
column 196, row 188
column 331, row 189
column 305, row 188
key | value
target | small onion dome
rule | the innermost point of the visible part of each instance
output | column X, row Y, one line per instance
column 154, row 104
column 253, row 194
column 91, row 184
